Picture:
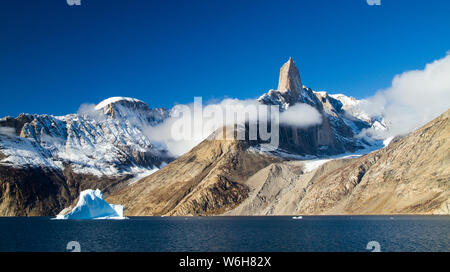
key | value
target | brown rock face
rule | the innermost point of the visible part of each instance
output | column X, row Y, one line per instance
column 410, row 176
column 290, row 79
column 16, row 123
column 207, row 180
column 34, row 192
column 45, row 192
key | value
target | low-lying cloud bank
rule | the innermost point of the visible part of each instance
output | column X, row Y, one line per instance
column 415, row 98
column 214, row 116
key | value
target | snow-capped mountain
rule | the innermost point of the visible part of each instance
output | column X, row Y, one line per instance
column 350, row 110
column 108, row 139
column 354, row 108
column 343, row 118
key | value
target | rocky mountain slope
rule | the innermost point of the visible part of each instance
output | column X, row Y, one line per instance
column 411, row 175
column 45, row 161
column 207, row 180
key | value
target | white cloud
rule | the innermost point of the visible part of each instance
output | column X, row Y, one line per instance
column 301, row 115
column 214, row 116
column 415, row 98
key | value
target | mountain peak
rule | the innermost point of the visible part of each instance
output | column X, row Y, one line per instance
column 289, row 80
column 122, row 106
column 116, row 99
column 126, row 108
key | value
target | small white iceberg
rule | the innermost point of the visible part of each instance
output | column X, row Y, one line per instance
column 92, row 205
column 297, row 217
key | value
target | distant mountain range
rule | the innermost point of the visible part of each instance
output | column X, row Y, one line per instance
column 45, row 161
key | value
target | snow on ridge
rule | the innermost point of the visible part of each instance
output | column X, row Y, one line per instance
column 312, row 162
column 347, row 101
column 311, row 165
column 142, row 173
column 115, row 99
column 95, row 146
column 25, row 152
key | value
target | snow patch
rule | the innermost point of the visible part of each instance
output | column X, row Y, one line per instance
column 387, row 141
column 144, row 173
column 311, row 165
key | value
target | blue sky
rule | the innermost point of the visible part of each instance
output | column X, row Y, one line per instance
column 55, row 57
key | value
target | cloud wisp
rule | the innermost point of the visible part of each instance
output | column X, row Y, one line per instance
column 415, row 98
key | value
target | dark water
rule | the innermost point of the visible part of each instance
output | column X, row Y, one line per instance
column 316, row 233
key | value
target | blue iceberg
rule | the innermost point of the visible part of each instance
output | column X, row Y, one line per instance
column 92, row 205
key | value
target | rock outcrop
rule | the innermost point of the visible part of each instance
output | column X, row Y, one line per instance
column 335, row 135
column 290, row 82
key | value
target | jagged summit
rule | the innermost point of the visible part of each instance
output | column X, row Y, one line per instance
column 290, row 78
column 290, row 89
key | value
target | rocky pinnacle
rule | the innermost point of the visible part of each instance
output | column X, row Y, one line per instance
column 290, row 79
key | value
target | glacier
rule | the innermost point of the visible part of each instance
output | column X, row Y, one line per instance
column 92, row 205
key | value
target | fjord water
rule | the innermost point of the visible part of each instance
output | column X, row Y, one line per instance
column 274, row 233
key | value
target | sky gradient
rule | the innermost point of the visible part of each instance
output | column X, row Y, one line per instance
column 55, row 57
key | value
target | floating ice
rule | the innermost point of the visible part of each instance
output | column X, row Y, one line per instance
column 92, row 205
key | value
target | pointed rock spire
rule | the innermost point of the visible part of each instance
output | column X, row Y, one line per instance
column 290, row 79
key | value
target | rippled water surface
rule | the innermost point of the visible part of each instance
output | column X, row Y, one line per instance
column 280, row 233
